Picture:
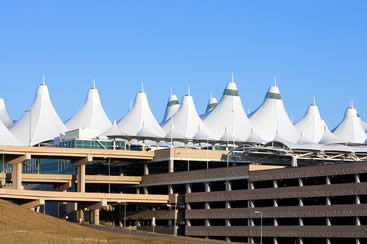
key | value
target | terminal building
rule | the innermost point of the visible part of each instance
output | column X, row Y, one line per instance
column 223, row 174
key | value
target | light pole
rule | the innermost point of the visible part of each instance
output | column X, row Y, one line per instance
column 175, row 222
column 125, row 216
column 261, row 225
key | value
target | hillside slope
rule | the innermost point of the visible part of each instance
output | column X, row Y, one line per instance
column 20, row 225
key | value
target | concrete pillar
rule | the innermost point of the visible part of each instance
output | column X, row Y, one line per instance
column 228, row 223
column 300, row 182
column 137, row 190
column 358, row 220
column 188, row 206
column 146, row 169
column 328, row 241
column 275, row 184
column 17, row 176
column 228, row 239
column 300, row 202
column 252, row 204
column 188, row 188
column 252, row 241
column 207, row 205
column 328, row 182
column 358, row 199
column 80, row 216
column 95, row 214
column 188, row 222
column 275, row 220
column 171, row 165
column 170, row 189
column 294, row 161
column 228, row 204
column 357, row 178
column 207, row 222
column 80, row 176
column 328, row 201
column 300, row 240
column 358, row 241
column 300, row 220
column 275, row 202
column 275, row 240
column 252, row 222
column 207, row 187
column 251, row 185
column 145, row 189
column 328, row 221
column 228, row 186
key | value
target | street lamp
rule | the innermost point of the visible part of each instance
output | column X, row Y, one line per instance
column 261, row 225
column 175, row 223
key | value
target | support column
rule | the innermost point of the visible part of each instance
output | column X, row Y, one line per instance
column 358, row 221
column 300, row 220
column 146, row 169
column 95, row 215
column 170, row 189
column 171, row 165
column 17, row 170
column 357, row 178
column 300, row 202
column 358, row 199
column 81, row 164
column 328, row 201
column 328, row 182
column 275, row 222
column 188, row 188
column 328, row 241
column 275, row 240
column 358, row 241
column 294, row 161
column 328, row 221
column 300, row 182
column 300, row 240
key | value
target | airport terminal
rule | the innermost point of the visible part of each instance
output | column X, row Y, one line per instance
column 223, row 174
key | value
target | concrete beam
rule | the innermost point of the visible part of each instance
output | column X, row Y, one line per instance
column 20, row 159
column 84, row 161
column 98, row 205
column 34, row 204
column 65, row 187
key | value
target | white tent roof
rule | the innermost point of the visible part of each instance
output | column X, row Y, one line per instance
column 229, row 119
column 4, row 116
column 172, row 107
column 364, row 125
column 6, row 137
column 140, row 116
column 311, row 127
column 186, row 122
column 90, row 115
column 40, row 121
column 271, row 120
column 329, row 138
column 211, row 105
column 350, row 129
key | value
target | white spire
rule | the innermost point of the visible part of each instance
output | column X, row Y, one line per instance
column 232, row 77
column 91, row 114
column 132, row 122
column 43, row 79
column 94, row 84
column 6, row 137
column 275, row 81
column 188, row 91
column 350, row 130
column 228, row 113
column 4, row 116
column 40, row 122
column 172, row 106
column 142, row 86
column 187, row 122
column 314, row 100
column 271, row 117
column 311, row 126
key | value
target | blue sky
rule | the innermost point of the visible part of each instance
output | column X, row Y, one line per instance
column 314, row 48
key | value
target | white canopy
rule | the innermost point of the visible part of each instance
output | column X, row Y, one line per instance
column 40, row 122
column 271, row 120
column 186, row 123
column 4, row 116
column 364, row 125
column 229, row 119
column 172, row 107
column 311, row 127
column 139, row 117
column 211, row 105
column 90, row 115
column 350, row 129
column 329, row 138
column 6, row 137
